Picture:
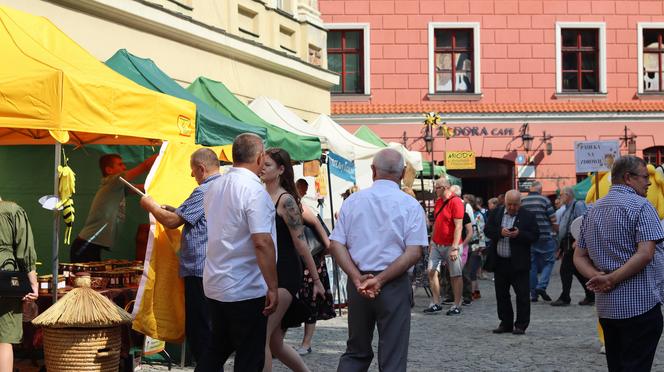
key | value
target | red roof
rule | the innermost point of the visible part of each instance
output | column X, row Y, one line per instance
column 354, row 108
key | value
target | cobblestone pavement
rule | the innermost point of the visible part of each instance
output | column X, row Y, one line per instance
column 558, row 339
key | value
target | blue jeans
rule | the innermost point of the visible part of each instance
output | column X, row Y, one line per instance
column 542, row 259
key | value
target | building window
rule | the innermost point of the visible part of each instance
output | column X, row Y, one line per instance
column 454, row 58
column 653, row 50
column 580, row 64
column 580, row 57
column 284, row 5
column 654, row 155
column 348, row 55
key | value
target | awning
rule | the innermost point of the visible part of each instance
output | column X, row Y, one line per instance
column 215, row 94
column 213, row 129
column 49, row 83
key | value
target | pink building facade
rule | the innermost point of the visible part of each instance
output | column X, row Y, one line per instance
column 571, row 70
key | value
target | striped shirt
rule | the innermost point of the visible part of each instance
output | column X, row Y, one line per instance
column 541, row 207
column 610, row 232
column 503, row 248
column 194, row 233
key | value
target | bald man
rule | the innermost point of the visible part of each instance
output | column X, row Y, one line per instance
column 512, row 230
column 379, row 236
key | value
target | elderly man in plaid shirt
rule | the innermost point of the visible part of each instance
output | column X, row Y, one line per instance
column 620, row 249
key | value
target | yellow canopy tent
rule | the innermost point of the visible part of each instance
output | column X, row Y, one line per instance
column 52, row 91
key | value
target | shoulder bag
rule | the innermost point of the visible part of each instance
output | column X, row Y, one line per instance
column 13, row 284
column 314, row 241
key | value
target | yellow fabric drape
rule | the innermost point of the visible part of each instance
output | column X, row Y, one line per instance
column 159, row 310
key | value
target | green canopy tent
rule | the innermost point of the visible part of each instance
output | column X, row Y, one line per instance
column 366, row 134
column 439, row 171
column 215, row 94
column 581, row 188
column 212, row 128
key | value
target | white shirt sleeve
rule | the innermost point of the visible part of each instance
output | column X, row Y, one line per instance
column 416, row 231
column 260, row 212
column 339, row 232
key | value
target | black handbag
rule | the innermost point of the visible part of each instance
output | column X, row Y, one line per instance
column 13, row 284
column 315, row 242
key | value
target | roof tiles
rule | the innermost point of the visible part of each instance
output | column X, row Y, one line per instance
column 352, row 108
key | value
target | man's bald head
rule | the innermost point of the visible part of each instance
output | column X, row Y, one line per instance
column 512, row 202
column 388, row 164
column 207, row 158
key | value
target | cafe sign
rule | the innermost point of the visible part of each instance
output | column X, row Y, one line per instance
column 459, row 160
column 482, row 131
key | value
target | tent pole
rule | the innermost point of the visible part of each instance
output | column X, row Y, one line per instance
column 56, row 222
column 336, row 267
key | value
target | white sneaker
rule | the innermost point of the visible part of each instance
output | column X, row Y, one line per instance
column 602, row 350
column 303, row 351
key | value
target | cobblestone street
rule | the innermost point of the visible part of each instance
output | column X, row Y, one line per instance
column 558, row 339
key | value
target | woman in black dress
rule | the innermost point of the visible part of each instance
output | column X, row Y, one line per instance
column 277, row 174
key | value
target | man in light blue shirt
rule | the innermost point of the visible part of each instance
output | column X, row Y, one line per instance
column 379, row 236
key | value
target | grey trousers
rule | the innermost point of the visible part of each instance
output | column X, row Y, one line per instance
column 391, row 312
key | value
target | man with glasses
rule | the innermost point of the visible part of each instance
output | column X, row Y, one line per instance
column 445, row 243
column 620, row 249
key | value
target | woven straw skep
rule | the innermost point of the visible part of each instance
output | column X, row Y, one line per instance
column 82, row 308
column 78, row 349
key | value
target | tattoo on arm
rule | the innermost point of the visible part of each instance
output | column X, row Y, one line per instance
column 293, row 214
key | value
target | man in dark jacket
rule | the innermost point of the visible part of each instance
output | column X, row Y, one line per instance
column 512, row 230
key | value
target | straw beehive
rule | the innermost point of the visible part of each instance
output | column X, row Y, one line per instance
column 82, row 332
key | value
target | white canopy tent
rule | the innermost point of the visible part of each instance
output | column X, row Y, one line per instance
column 361, row 152
column 276, row 113
column 361, row 148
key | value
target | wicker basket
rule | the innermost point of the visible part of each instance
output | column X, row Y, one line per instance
column 82, row 349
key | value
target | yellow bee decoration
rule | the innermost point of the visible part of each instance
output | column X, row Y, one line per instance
column 67, row 188
column 432, row 119
column 448, row 132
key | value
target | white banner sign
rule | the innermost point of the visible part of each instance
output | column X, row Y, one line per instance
column 595, row 156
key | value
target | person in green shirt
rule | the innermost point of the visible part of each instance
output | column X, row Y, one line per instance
column 107, row 208
column 17, row 252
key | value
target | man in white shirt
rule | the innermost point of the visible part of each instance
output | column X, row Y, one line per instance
column 240, row 274
column 379, row 236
